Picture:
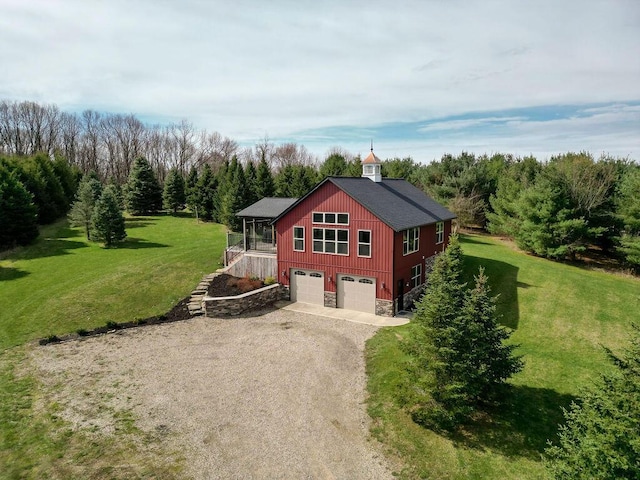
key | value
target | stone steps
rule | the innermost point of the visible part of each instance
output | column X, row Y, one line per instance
column 196, row 305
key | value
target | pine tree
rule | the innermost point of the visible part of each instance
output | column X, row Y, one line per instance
column 144, row 194
column 251, row 176
column 601, row 436
column 334, row 165
column 205, row 194
column 174, row 191
column 234, row 199
column 264, row 186
column 191, row 189
column 18, row 214
column 107, row 221
column 628, row 211
column 81, row 211
column 460, row 360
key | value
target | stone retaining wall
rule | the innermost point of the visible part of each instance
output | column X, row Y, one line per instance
column 229, row 306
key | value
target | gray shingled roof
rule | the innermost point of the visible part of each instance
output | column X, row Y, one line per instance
column 268, row 207
column 394, row 201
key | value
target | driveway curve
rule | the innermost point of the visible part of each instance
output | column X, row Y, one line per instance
column 277, row 395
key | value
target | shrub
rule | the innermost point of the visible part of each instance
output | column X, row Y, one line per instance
column 246, row 284
column 82, row 332
column 269, row 281
column 111, row 325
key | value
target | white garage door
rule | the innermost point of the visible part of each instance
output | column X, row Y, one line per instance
column 307, row 286
column 356, row 293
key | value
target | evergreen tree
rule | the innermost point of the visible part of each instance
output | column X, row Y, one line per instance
column 460, row 360
column 205, row 193
column 120, row 195
column 191, row 190
column 334, row 165
column 107, row 221
column 251, row 176
column 81, row 211
column 68, row 175
column 18, row 214
column 601, row 436
column 174, row 191
column 234, row 199
column 628, row 211
column 284, row 182
column 143, row 192
column 264, row 186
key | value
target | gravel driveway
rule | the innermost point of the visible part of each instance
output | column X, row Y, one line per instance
column 277, row 395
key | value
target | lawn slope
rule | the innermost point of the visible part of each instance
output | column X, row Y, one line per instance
column 561, row 315
column 63, row 282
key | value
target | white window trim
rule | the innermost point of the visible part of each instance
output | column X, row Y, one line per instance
column 323, row 222
column 336, row 241
column 295, row 238
column 416, row 241
column 416, row 273
column 363, row 243
column 439, row 233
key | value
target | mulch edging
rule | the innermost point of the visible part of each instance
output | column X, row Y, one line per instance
column 178, row 313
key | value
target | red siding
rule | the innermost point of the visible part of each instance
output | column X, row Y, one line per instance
column 427, row 247
column 330, row 198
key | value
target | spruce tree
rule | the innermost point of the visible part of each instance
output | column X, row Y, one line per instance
column 174, row 197
column 205, row 194
column 18, row 214
column 81, row 211
column 460, row 358
column 143, row 192
column 601, row 436
column 251, row 177
column 107, row 221
column 234, row 199
column 191, row 189
column 264, row 186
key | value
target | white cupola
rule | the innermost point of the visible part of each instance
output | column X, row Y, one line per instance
column 371, row 167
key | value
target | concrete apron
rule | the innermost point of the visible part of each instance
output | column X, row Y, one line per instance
column 342, row 314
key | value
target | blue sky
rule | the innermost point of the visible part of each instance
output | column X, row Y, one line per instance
column 419, row 78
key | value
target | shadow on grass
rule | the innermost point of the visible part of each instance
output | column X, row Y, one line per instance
column 520, row 427
column 138, row 222
column 503, row 280
column 473, row 239
column 137, row 243
column 10, row 273
column 47, row 247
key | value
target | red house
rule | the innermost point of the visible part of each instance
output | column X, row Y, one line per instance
column 362, row 244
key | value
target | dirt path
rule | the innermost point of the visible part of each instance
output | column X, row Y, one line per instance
column 279, row 395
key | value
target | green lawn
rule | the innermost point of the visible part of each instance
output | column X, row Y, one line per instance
column 61, row 284
column 561, row 315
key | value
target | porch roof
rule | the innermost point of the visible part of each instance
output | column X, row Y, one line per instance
column 267, row 208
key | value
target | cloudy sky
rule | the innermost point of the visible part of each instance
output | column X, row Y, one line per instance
column 419, row 78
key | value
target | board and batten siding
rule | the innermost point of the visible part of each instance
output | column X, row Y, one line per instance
column 427, row 247
column 329, row 198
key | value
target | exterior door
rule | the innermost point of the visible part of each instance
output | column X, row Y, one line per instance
column 307, row 286
column 356, row 293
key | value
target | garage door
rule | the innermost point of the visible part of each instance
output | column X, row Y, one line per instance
column 356, row 293
column 307, row 286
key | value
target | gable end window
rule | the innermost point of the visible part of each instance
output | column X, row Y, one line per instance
column 410, row 240
column 416, row 275
column 331, row 240
column 364, row 243
column 439, row 232
column 298, row 239
column 331, row 218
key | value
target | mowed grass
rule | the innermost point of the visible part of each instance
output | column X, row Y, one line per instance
column 61, row 284
column 561, row 316
column 64, row 283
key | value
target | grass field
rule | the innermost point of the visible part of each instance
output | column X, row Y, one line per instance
column 561, row 315
column 61, row 284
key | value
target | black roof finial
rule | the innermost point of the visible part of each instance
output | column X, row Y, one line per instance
column 372, row 145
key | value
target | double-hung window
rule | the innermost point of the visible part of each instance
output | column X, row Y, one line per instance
column 364, row 243
column 331, row 240
column 439, row 232
column 410, row 240
column 416, row 275
column 298, row 239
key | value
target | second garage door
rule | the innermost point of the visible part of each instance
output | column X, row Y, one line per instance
column 356, row 293
column 307, row 286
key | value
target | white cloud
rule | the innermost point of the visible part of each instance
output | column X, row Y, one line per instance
column 246, row 68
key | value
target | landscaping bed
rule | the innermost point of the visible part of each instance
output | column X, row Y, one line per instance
column 226, row 285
